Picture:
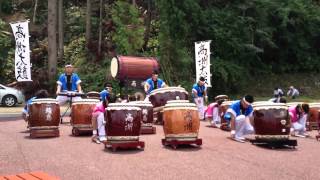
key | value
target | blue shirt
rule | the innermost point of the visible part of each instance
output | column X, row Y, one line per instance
column 26, row 107
column 104, row 94
column 149, row 81
column 199, row 89
column 236, row 110
column 62, row 81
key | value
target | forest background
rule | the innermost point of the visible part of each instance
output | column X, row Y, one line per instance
column 257, row 45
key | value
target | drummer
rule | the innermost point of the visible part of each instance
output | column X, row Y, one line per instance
column 199, row 94
column 153, row 83
column 68, row 82
column 298, row 115
column 39, row 94
column 241, row 111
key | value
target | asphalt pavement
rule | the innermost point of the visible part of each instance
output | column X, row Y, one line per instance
column 77, row 158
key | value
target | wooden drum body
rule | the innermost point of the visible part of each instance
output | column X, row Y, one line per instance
column 123, row 122
column 222, row 111
column 159, row 97
column 181, row 121
column 129, row 67
column 313, row 117
column 147, row 112
column 271, row 120
column 81, row 113
column 44, row 117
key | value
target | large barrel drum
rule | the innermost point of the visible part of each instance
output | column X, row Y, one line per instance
column 129, row 67
column 81, row 112
column 271, row 120
column 123, row 122
column 159, row 97
column 44, row 112
column 181, row 121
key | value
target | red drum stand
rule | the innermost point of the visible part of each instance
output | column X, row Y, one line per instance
column 43, row 132
column 174, row 143
column 114, row 145
column 275, row 143
column 148, row 130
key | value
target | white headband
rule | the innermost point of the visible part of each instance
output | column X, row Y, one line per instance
column 245, row 101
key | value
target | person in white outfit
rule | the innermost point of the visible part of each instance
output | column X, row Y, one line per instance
column 241, row 112
column 293, row 92
column 199, row 94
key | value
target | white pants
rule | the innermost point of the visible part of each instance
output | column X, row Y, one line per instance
column 300, row 125
column 101, row 126
column 63, row 99
column 199, row 103
column 215, row 116
column 147, row 98
column 243, row 126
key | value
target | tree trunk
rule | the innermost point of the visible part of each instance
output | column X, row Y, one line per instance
column 52, row 39
column 60, row 29
column 100, row 28
column 148, row 26
column 134, row 2
column 35, row 12
column 88, row 22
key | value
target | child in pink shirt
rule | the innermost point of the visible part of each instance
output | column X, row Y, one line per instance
column 212, row 113
column 298, row 115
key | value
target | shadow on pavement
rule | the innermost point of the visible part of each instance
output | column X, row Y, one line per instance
column 123, row 151
column 183, row 148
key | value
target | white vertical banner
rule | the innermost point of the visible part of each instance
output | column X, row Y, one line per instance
column 22, row 52
column 202, row 54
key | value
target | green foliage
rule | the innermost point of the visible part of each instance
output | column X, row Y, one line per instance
column 74, row 23
column 130, row 30
column 6, row 54
column 248, row 37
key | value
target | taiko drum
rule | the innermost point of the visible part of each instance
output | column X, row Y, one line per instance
column 123, row 122
column 44, row 112
column 159, row 97
column 130, row 67
column 181, row 121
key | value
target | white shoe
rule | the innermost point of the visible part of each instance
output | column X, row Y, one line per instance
column 101, row 139
column 241, row 140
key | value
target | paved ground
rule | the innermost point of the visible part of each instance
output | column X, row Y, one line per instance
column 76, row 158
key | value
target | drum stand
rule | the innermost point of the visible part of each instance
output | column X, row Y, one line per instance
column 148, row 130
column 114, row 145
column 275, row 143
column 174, row 143
column 69, row 107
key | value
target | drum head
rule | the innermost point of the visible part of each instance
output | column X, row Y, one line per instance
column 114, row 67
column 44, row 100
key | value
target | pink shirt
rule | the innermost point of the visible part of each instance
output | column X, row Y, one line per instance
column 293, row 114
column 209, row 110
column 99, row 108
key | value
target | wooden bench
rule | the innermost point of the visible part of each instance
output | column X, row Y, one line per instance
column 36, row 175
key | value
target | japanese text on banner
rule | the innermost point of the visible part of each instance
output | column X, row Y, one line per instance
column 202, row 54
column 22, row 52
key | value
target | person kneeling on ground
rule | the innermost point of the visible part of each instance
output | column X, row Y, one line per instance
column 212, row 113
column 241, row 111
column 298, row 115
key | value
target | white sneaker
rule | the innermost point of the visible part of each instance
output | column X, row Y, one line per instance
column 239, row 139
column 101, row 139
